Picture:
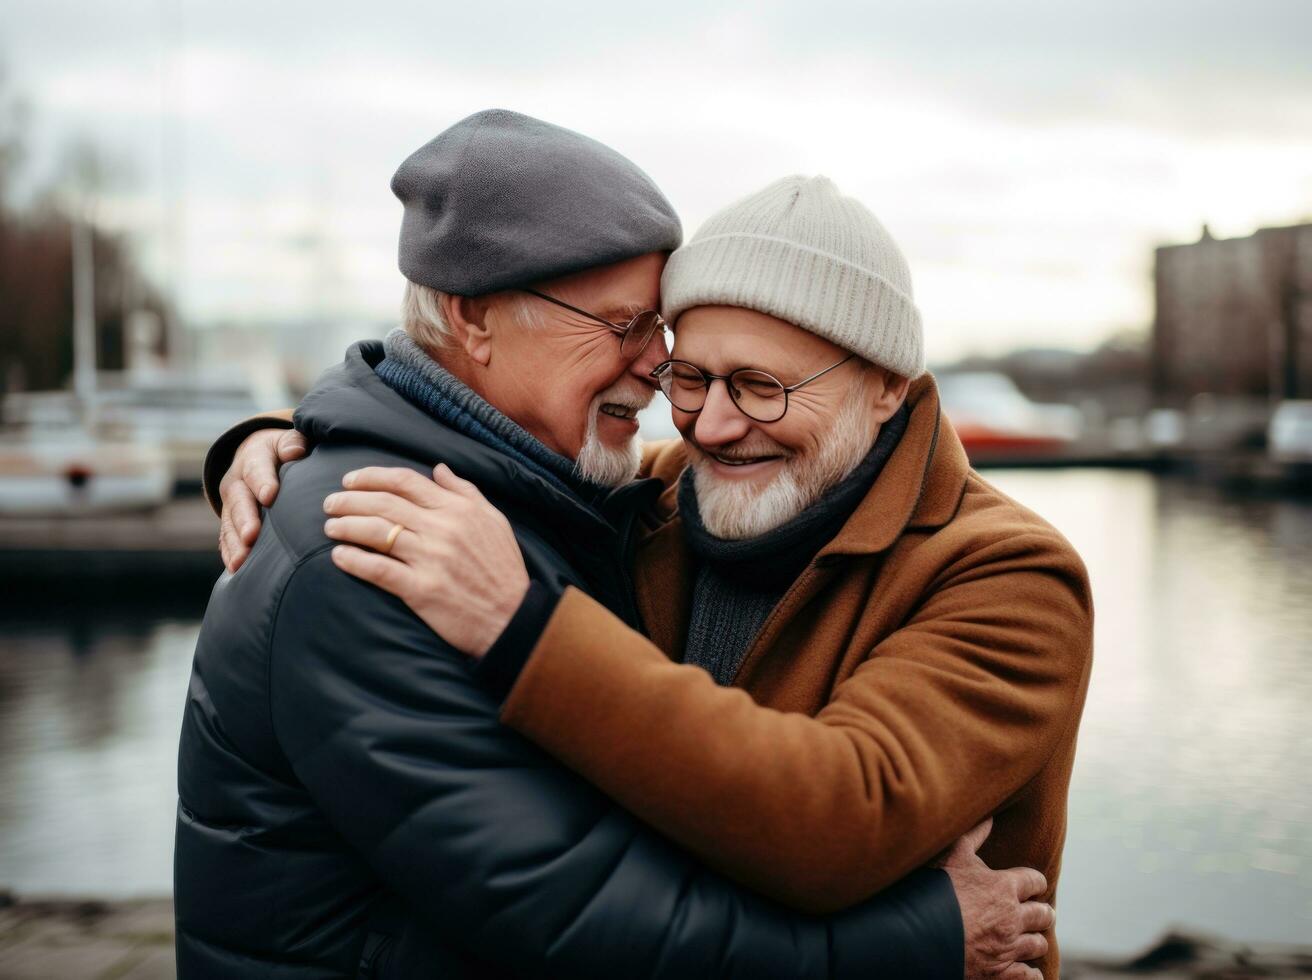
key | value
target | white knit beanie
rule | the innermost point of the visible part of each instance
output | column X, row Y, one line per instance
column 803, row 252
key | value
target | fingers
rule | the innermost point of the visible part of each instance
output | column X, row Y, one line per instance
column 240, row 508
column 236, row 540
column 231, row 548
column 369, row 532
column 977, row 835
column 962, row 852
column 1031, row 946
column 1027, row 882
column 291, row 445
column 1019, row 971
column 445, row 478
column 395, row 480
column 363, row 503
column 239, row 523
column 972, row 840
column 1037, row 917
column 259, row 465
column 387, row 573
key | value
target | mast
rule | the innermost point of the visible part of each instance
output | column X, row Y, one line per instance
column 84, row 314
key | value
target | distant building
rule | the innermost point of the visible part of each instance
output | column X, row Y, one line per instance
column 1234, row 318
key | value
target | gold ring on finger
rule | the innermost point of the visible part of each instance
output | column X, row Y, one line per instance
column 392, row 535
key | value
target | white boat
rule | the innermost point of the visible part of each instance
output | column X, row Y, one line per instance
column 993, row 417
column 179, row 411
column 57, row 456
column 1289, row 434
column 68, row 471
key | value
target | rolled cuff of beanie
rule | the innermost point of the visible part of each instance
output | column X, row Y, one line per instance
column 854, row 307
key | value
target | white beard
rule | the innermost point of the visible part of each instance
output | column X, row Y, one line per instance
column 601, row 464
column 737, row 509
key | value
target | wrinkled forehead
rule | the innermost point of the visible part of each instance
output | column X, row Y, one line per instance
column 721, row 338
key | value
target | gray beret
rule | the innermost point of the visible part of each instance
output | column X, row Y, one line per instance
column 501, row 199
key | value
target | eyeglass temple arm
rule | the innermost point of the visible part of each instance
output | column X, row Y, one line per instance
column 561, row 302
column 706, row 375
column 807, row 381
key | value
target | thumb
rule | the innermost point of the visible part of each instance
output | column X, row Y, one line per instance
column 974, row 838
column 291, row 445
column 447, row 480
column 963, row 851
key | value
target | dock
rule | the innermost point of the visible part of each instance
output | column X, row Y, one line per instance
column 178, row 539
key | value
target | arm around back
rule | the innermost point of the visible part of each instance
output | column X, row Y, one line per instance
column 946, row 718
column 515, row 857
column 218, row 459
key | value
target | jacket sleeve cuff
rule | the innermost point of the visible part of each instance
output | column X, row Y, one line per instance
column 911, row 929
column 500, row 667
column 220, row 455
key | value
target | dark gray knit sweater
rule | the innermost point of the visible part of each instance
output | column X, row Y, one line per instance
column 738, row 583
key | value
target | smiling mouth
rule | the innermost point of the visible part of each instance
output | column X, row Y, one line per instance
column 619, row 411
column 742, row 460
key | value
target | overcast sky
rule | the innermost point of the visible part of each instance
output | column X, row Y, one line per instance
column 1027, row 155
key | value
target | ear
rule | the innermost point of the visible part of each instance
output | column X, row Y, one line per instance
column 891, row 393
column 470, row 327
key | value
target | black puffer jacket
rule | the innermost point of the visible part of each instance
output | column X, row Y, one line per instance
column 338, row 759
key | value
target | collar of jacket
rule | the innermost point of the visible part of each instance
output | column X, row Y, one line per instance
column 920, row 487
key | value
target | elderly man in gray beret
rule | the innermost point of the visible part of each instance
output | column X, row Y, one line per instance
column 344, row 769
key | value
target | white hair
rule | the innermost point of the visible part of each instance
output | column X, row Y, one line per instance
column 422, row 319
column 737, row 509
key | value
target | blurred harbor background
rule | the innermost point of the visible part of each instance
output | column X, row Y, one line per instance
column 1108, row 214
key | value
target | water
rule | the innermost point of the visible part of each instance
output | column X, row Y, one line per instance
column 1190, row 801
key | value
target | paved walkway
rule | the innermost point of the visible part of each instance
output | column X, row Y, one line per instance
column 133, row 940
column 69, row 940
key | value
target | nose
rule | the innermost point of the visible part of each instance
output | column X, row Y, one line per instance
column 654, row 353
column 720, row 422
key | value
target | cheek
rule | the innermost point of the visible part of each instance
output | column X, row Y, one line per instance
column 573, row 368
column 685, row 422
column 794, row 432
column 575, row 382
column 589, row 365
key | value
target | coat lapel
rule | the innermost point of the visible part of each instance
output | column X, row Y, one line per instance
column 920, row 486
column 663, row 580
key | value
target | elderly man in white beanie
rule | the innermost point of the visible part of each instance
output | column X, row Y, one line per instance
column 856, row 648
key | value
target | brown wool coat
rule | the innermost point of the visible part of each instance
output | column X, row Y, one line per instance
column 928, row 669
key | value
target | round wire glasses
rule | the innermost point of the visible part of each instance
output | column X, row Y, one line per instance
column 758, row 394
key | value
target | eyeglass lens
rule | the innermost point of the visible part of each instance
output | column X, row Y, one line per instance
column 639, row 333
column 758, row 394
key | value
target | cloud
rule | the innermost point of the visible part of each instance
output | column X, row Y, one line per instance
column 1028, row 155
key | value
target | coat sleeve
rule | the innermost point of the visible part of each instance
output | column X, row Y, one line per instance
column 220, row 455
column 513, row 856
column 943, row 721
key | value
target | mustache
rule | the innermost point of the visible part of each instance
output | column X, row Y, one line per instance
column 741, row 450
column 629, row 393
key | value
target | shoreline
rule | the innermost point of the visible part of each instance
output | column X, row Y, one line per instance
column 132, row 939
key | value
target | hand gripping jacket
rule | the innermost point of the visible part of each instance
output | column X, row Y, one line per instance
column 338, row 761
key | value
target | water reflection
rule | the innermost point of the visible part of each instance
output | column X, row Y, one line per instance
column 1189, row 803
column 90, row 709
